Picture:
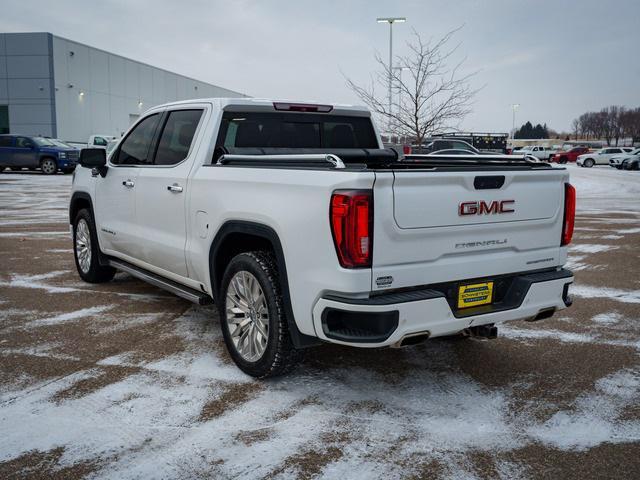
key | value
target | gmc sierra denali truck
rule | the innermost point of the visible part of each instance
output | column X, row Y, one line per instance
column 302, row 229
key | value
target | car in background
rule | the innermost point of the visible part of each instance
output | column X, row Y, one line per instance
column 443, row 144
column 601, row 157
column 567, row 156
column 538, row 151
column 21, row 151
column 632, row 162
column 100, row 141
column 616, row 161
column 453, row 151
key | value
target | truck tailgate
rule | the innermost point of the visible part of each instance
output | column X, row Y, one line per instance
column 440, row 226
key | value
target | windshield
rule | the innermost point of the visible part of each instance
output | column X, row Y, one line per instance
column 43, row 142
column 59, row 143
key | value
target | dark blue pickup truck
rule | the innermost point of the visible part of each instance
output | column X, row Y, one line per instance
column 49, row 155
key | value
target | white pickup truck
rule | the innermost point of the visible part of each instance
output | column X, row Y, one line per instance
column 540, row 152
column 303, row 230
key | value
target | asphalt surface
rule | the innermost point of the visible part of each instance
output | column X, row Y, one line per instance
column 122, row 380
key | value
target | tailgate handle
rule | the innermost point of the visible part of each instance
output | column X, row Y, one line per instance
column 488, row 182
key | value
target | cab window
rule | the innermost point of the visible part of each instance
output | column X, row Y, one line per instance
column 100, row 141
column 177, row 136
column 135, row 149
column 24, row 142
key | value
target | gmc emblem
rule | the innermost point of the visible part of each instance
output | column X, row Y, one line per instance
column 484, row 208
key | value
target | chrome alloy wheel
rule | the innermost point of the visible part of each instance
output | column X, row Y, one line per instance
column 83, row 245
column 49, row 167
column 247, row 316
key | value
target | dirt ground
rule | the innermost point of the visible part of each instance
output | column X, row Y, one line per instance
column 122, row 380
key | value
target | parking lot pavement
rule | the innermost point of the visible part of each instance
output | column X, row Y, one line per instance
column 123, row 380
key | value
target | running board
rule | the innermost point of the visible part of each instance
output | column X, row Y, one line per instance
column 199, row 298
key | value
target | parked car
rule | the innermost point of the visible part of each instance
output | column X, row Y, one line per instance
column 453, row 151
column 19, row 151
column 100, row 141
column 616, row 161
column 632, row 162
column 538, row 151
column 600, row 157
column 566, row 156
column 257, row 212
column 444, row 144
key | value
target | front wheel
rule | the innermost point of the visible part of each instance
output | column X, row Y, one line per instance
column 86, row 250
column 49, row 166
column 252, row 317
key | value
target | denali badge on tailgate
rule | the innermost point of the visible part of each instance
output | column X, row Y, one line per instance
column 483, row 208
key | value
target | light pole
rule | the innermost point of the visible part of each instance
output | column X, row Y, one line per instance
column 514, row 107
column 390, row 21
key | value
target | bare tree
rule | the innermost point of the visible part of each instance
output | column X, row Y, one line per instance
column 576, row 127
column 432, row 95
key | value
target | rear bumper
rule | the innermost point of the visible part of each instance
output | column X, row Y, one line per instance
column 384, row 320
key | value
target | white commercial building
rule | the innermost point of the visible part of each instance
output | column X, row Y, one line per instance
column 55, row 87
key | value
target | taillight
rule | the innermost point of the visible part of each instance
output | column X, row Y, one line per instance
column 406, row 149
column 351, row 216
column 569, row 213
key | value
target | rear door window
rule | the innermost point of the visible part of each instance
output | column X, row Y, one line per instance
column 135, row 149
column 177, row 136
column 295, row 130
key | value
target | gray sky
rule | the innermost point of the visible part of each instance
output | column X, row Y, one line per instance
column 556, row 59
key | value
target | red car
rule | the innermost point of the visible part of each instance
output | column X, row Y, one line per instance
column 569, row 155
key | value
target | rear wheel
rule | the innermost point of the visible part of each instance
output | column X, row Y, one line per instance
column 86, row 250
column 48, row 166
column 563, row 159
column 252, row 317
column 589, row 162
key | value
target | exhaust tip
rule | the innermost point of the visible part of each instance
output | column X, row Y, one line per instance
column 412, row 339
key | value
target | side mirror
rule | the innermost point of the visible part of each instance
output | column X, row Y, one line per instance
column 93, row 157
column 96, row 159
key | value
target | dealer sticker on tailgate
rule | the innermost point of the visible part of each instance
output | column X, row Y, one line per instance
column 475, row 294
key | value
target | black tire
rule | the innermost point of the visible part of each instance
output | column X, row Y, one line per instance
column 94, row 272
column 589, row 162
column 563, row 160
column 279, row 356
column 49, row 166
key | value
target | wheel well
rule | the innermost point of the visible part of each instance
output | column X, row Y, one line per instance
column 232, row 245
column 78, row 204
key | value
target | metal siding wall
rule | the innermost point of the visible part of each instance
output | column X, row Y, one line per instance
column 113, row 87
column 25, row 82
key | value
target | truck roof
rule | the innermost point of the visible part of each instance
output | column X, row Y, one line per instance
column 262, row 104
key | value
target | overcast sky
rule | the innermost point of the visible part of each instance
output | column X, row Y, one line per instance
column 556, row 58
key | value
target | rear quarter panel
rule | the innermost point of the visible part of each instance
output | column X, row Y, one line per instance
column 295, row 204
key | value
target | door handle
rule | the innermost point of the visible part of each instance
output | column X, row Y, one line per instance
column 175, row 188
column 128, row 183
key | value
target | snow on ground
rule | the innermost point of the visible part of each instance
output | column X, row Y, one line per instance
column 191, row 413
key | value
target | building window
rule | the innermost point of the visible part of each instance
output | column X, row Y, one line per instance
column 4, row 119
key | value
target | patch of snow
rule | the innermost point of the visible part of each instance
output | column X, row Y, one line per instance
column 607, row 318
column 624, row 296
column 594, row 420
column 70, row 316
column 591, row 248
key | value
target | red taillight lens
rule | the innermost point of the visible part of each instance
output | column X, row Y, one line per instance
column 569, row 213
column 351, row 216
column 406, row 149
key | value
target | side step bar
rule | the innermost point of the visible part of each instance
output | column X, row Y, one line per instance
column 199, row 298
